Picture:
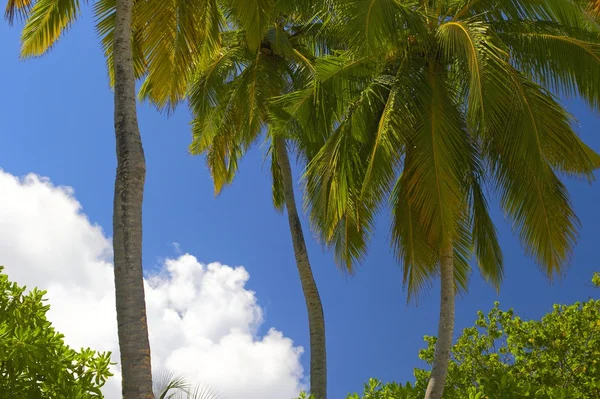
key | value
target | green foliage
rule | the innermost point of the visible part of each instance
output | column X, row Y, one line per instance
column 459, row 103
column 375, row 389
column 495, row 387
column 555, row 357
column 505, row 357
column 34, row 361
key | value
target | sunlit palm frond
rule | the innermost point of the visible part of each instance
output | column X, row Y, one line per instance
column 230, row 97
column 214, row 134
column 210, row 86
column 467, row 42
column 178, row 37
column 46, row 21
column 428, row 200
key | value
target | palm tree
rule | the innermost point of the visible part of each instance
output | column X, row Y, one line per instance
column 169, row 42
column 431, row 103
column 229, row 97
column 159, row 41
column 266, row 50
column 46, row 19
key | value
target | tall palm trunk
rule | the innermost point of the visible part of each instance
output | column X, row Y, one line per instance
column 316, row 320
column 127, row 219
column 435, row 388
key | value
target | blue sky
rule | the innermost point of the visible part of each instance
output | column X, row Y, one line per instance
column 56, row 115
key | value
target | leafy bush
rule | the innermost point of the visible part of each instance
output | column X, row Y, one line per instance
column 34, row 361
column 375, row 389
column 505, row 357
column 557, row 355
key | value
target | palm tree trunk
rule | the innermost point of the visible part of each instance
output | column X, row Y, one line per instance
column 127, row 219
column 435, row 388
column 316, row 320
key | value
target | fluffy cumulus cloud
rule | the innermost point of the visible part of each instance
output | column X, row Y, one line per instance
column 203, row 320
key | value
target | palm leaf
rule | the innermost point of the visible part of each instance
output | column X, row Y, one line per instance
column 483, row 231
column 417, row 258
column 179, row 34
column 251, row 16
column 17, row 8
column 562, row 62
column 46, row 22
column 531, row 194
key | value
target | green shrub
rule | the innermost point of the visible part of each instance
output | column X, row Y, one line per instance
column 34, row 360
column 505, row 357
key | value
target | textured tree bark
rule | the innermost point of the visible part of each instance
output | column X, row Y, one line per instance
column 127, row 219
column 316, row 320
column 443, row 345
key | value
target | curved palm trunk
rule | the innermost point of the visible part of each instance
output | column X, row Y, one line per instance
column 316, row 320
column 127, row 219
column 435, row 388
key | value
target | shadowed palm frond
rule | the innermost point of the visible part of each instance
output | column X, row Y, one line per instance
column 531, row 194
column 16, row 8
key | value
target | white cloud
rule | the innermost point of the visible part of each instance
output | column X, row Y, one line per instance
column 202, row 318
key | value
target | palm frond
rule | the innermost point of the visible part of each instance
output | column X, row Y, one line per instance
column 179, row 34
column 531, row 194
column 342, row 215
column 437, row 149
column 169, row 385
column 483, row 231
column 565, row 12
column 46, row 22
column 417, row 258
column 16, row 8
column 558, row 60
column 343, row 221
column 252, row 16
column 379, row 25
